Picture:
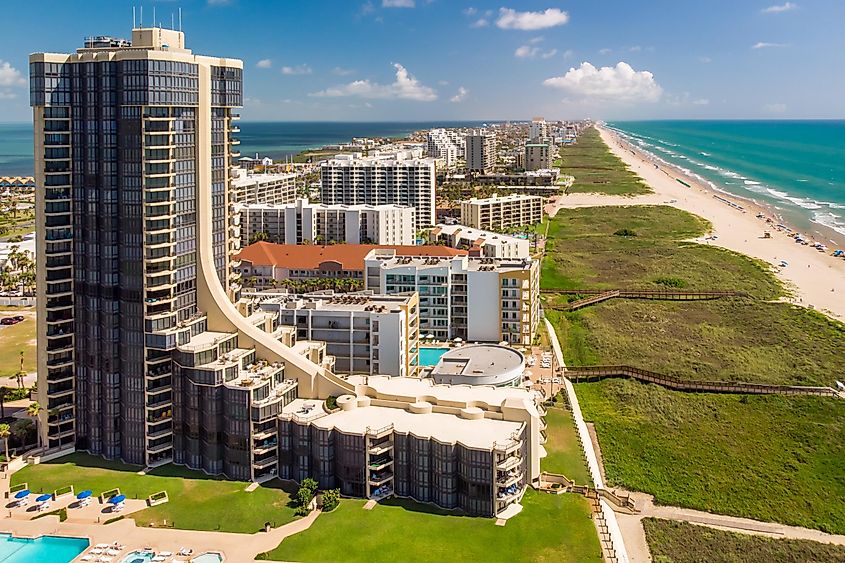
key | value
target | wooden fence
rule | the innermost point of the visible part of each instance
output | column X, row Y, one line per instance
column 594, row 296
column 596, row 373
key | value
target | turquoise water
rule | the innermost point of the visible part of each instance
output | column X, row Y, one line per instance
column 138, row 557
column 275, row 139
column 46, row 549
column 797, row 166
column 430, row 356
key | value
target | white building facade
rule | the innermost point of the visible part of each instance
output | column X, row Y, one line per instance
column 445, row 144
column 250, row 188
column 315, row 223
column 495, row 213
column 481, row 151
column 401, row 178
column 481, row 243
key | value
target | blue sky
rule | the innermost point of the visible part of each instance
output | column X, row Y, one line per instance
column 409, row 60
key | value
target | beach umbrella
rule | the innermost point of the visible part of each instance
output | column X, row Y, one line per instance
column 22, row 494
column 44, row 498
column 84, row 494
column 117, row 499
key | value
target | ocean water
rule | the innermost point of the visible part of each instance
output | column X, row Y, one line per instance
column 276, row 139
column 796, row 166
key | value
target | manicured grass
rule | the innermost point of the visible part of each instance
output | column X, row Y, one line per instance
column 681, row 542
column 772, row 458
column 564, row 451
column 551, row 528
column 596, row 169
column 197, row 501
column 13, row 339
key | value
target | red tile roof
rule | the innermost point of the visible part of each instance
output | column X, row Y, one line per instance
column 348, row 256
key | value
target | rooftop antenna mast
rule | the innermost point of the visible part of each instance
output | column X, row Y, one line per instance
column 180, row 18
column 172, row 24
column 142, row 15
column 133, row 17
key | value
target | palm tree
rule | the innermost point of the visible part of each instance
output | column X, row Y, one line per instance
column 5, row 432
column 34, row 410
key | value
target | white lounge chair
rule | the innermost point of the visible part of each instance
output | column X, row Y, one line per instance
column 87, row 558
column 165, row 553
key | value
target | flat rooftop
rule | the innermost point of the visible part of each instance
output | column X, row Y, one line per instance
column 340, row 302
column 480, row 434
column 478, row 360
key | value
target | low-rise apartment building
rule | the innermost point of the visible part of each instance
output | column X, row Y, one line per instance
column 302, row 222
column 365, row 333
column 476, row 299
column 276, row 189
column 400, row 178
column 501, row 212
column 479, row 243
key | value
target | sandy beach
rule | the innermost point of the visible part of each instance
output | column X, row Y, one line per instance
column 814, row 278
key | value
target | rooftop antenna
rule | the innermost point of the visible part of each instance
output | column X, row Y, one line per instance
column 180, row 19
column 154, row 15
column 133, row 17
column 142, row 15
column 172, row 24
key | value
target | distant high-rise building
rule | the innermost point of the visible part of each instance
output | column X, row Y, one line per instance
column 445, row 144
column 480, row 151
column 538, row 129
column 538, row 156
column 401, row 178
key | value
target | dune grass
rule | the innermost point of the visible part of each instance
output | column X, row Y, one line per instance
column 197, row 501
column 772, row 458
column 596, row 169
column 564, row 451
column 550, row 528
column 681, row 542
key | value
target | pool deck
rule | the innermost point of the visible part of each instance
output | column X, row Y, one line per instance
column 235, row 547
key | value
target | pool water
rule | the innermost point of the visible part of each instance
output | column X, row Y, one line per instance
column 209, row 557
column 138, row 557
column 46, row 549
column 430, row 356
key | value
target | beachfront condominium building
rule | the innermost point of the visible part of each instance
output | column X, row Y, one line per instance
column 476, row 299
column 496, row 213
column 364, row 333
column 480, row 151
column 400, row 178
column 538, row 155
column 480, row 243
column 445, row 144
column 274, row 189
column 317, row 223
column 143, row 355
column 538, row 129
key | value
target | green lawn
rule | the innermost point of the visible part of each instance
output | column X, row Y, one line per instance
column 551, row 528
column 197, row 501
column 772, row 458
column 596, row 169
column 680, row 542
column 564, row 451
column 13, row 339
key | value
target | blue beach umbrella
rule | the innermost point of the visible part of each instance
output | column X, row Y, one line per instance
column 84, row 494
column 44, row 498
column 22, row 494
column 117, row 500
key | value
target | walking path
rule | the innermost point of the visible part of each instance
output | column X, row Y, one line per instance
column 236, row 547
column 613, row 530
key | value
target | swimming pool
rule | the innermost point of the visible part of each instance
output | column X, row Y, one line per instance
column 430, row 356
column 138, row 557
column 46, row 549
column 210, row 557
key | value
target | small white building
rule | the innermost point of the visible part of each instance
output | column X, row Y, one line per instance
column 250, row 188
column 316, row 223
column 480, row 364
column 481, row 243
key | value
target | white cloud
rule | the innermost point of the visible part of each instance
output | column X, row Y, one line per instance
column 7, row 95
column 779, row 8
column 701, row 102
column 340, row 71
column 635, row 49
column 605, row 51
column 296, row 70
column 705, row 60
column 218, row 2
column 775, row 108
column 405, row 87
column 397, row 3
column 469, row 11
column 481, row 22
column 442, row 82
column 529, row 52
column 568, row 54
column 460, row 96
column 527, row 21
column 685, row 99
column 10, row 76
column 264, row 63
column 535, row 40
column 766, row 45
column 619, row 84
column 366, row 8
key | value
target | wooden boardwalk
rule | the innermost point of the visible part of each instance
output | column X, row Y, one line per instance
column 594, row 296
column 596, row 373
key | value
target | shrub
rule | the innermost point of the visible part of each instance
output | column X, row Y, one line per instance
column 626, row 233
column 331, row 499
column 331, row 403
column 306, row 492
column 671, row 282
